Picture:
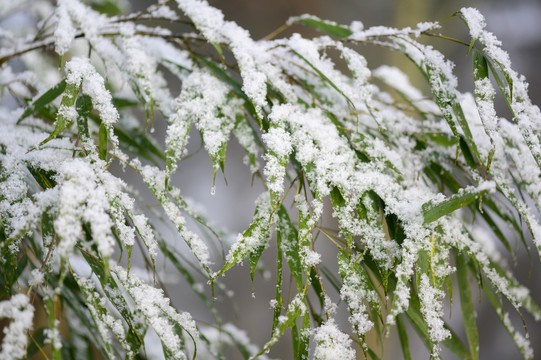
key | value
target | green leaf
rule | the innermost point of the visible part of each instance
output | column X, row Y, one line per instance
column 277, row 309
column 50, row 307
column 98, row 311
column 290, row 245
column 45, row 179
column 137, row 142
column 434, row 212
column 247, row 245
column 316, row 285
column 43, row 100
column 253, row 259
column 136, row 329
column 466, row 305
column 102, row 148
column 467, row 153
column 108, row 7
column 325, row 78
column 453, row 343
column 83, row 105
column 503, row 316
column 68, row 100
column 294, row 310
column 403, row 336
column 327, row 27
column 463, row 122
column 301, row 339
column 39, row 338
column 506, row 91
column 480, row 66
column 120, row 103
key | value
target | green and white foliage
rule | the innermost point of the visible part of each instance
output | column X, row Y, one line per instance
column 423, row 186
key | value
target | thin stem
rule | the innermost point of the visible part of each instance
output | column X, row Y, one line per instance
column 446, row 38
column 273, row 34
column 89, row 254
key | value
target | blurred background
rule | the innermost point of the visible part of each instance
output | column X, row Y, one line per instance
column 516, row 23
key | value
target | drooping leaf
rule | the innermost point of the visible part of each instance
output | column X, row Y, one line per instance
column 103, row 144
column 466, row 305
column 62, row 120
column 403, row 336
column 46, row 98
column 294, row 310
column 290, row 245
column 326, row 27
column 433, row 212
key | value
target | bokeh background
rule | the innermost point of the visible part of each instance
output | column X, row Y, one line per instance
column 516, row 23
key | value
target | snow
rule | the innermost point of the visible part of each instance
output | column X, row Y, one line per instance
column 37, row 277
column 331, row 343
column 152, row 303
column 432, row 310
column 65, row 30
column 21, row 313
column 476, row 22
column 371, row 152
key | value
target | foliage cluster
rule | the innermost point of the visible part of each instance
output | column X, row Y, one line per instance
column 426, row 189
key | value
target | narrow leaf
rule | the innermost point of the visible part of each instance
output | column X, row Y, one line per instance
column 43, row 100
column 62, row 120
column 102, row 148
column 327, row 27
column 290, row 245
column 466, row 305
column 462, row 198
column 403, row 336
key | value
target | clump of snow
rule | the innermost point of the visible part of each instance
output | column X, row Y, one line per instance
column 432, row 310
column 65, row 30
column 331, row 343
column 37, row 277
column 15, row 338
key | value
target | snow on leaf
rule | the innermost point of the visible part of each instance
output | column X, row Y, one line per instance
column 158, row 312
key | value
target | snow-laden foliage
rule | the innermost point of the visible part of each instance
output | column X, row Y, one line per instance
column 424, row 187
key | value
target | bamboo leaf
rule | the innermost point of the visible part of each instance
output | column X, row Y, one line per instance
column 51, row 311
column 98, row 311
column 46, row 98
column 463, row 198
column 136, row 329
column 466, row 305
column 290, row 245
column 325, row 78
column 480, row 66
column 62, row 121
column 45, row 179
column 327, row 27
column 102, row 148
column 278, row 301
column 294, row 310
column 522, row 343
column 252, row 239
column 403, row 336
